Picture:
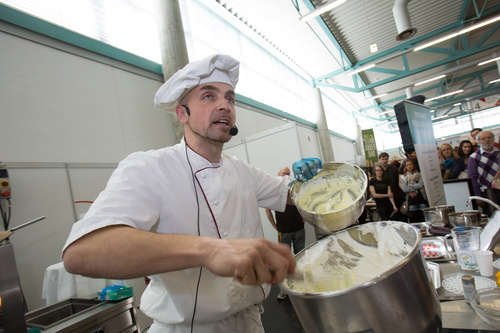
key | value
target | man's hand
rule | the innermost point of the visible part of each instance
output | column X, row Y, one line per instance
column 306, row 168
column 251, row 261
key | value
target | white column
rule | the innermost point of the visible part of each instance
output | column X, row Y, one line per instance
column 173, row 48
column 323, row 133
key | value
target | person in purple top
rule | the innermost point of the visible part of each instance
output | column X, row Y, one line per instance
column 483, row 165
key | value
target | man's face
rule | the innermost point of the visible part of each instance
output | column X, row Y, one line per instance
column 384, row 161
column 212, row 108
column 486, row 140
column 284, row 172
column 473, row 134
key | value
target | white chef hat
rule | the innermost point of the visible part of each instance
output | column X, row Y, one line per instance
column 216, row 68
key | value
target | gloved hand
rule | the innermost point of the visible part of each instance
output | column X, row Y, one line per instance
column 306, row 168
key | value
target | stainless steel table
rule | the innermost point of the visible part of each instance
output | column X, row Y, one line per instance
column 458, row 315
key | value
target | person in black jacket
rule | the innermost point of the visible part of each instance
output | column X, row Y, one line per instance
column 392, row 174
column 381, row 192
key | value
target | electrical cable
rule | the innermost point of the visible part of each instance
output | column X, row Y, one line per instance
column 199, row 234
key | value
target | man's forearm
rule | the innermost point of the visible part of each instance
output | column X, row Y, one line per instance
column 122, row 252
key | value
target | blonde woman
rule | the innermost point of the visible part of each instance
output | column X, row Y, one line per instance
column 412, row 184
column 451, row 164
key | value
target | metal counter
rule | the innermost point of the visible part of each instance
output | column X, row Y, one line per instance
column 95, row 317
column 459, row 316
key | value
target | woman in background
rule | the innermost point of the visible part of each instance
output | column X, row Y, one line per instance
column 464, row 151
column 381, row 192
column 451, row 164
column 412, row 184
column 411, row 154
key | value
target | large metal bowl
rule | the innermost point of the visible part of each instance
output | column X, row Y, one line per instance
column 438, row 215
column 335, row 219
column 400, row 299
column 466, row 218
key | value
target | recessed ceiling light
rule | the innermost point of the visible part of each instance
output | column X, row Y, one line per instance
column 445, row 95
column 429, row 80
column 460, row 32
column 373, row 97
column 322, row 9
column 361, row 69
column 488, row 61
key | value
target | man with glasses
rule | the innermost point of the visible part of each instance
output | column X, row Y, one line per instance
column 483, row 165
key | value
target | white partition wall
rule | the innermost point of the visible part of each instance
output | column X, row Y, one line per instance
column 343, row 150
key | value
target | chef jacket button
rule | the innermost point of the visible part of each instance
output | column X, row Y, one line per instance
column 225, row 234
column 216, row 202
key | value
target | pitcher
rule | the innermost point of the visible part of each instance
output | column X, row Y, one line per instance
column 465, row 242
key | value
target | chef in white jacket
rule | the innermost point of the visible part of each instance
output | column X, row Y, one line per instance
column 187, row 216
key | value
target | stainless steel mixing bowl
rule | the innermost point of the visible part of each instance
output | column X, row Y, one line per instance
column 466, row 218
column 438, row 215
column 401, row 299
column 334, row 220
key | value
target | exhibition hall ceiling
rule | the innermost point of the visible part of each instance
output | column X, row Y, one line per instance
column 363, row 35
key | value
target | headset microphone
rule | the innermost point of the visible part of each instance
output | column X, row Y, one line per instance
column 233, row 131
column 187, row 110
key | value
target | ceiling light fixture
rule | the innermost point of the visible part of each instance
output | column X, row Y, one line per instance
column 460, row 32
column 373, row 97
column 494, row 81
column 386, row 112
column 322, row 9
column 429, row 80
column 445, row 95
column 457, row 104
column 435, row 118
column 488, row 61
column 361, row 69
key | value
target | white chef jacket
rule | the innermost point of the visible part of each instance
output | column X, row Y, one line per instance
column 155, row 191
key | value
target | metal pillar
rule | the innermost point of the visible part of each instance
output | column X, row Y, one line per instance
column 323, row 133
column 173, row 48
column 10, row 292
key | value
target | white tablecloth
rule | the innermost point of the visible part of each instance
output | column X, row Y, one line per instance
column 59, row 285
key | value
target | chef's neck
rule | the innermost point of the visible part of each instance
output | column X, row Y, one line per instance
column 209, row 150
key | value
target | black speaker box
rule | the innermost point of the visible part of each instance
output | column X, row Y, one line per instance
column 402, row 119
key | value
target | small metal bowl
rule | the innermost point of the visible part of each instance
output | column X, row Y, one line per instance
column 466, row 218
column 324, row 185
column 438, row 215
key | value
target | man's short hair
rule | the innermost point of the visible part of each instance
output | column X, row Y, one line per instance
column 383, row 154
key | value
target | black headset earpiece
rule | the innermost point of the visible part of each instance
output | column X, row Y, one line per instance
column 187, row 110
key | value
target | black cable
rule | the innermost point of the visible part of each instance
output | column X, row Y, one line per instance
column 199, row 234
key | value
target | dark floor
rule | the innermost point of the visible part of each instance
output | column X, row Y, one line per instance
column 279, row 315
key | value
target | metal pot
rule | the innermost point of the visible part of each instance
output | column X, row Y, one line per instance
column 334, row 219
column 401, row 299
column 438, row 215
column 466, row 218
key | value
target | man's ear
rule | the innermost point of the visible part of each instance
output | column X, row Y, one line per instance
column 181, row 113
